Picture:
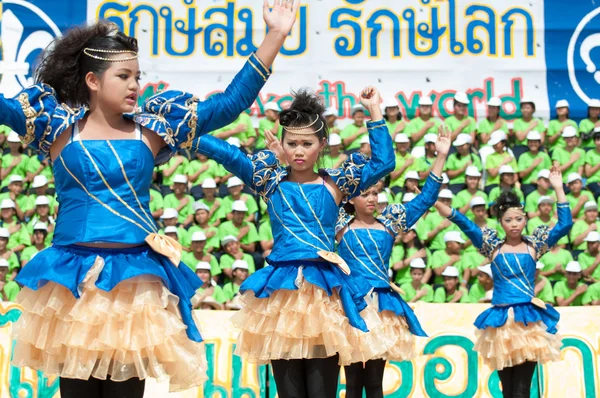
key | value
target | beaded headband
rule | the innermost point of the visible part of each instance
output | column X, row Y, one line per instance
column 298, row 129
column 88, row 51
column 518, row 210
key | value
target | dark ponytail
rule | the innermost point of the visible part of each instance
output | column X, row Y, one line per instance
column 64, row 65
column 302, row 112
column 505, row 201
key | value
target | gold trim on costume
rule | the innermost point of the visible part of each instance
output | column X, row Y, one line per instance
column 30, row 116
column 88, row 51
column 313, row 213
column 257, row 69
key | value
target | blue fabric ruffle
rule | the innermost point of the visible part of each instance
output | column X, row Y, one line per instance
column 389, row 300
column 319, row 273
column 68, row 266
column 525, row 313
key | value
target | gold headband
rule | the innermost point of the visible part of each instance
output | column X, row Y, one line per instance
column 298, row 129
column 87, row 51
column 518, row 210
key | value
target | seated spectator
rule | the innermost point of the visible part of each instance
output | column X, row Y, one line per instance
column 481, row 291
column 8, row 289
column 583, row 227
column 500, row 157
column 198, row 170
column 451, row 292
column 239, row 275
column 353, row 132
column 231, row 253
column 577, row 196
column 462, row 200
column 42, row 211
column 265, row 234
column 19, row 236
column 242, row 130
column 5, row 252
column 169, row 219
column 545, row 216
column 37, row 168
column 532, row 162
column 172, row 232
column 424, row 164
column 589, row 124
column 449, row 257
column 589, row 259
column 180, row 200
column 209, row 198
column 404, row 163
column 411, row 185
column 39, row 186
column 331, row 116
column 434, row 226
column 198, row 254
column 244, row 231
column 557, row 126
column 365, row 146
column 492, row 122
column 409, row 248
column 543, row 287
column 176, row 165
column 336, row 156
column 424, row 123
column 23, row 206
column 555, row 262
column 508, row 182
column 570, row 292
column 393, row 118
column 235, row 187
column 458, row 163
column 209, row 288
column 460, row 122
column 382, row 202
column 417, row 290
column 269, row 123
column 570, row 158
column 200, row 224
column 471, row 258
column 14, row 162
column 592, row 165
column 38, row 239
column 542, row 188
column 527, row 123
column 592, row 295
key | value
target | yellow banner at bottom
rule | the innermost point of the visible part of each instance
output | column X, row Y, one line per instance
column 447, row 366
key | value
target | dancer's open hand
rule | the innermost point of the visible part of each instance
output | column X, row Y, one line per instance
column 281, row 17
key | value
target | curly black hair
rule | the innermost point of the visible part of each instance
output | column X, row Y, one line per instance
column 64, row 65
column 505, row 201
column 302, row 112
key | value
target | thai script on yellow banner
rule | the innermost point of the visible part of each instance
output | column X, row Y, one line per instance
column 447, row 367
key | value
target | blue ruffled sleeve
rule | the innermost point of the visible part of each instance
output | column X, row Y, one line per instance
column 359, row 172
column 261, row 172
column 543, row 237
column 179, row 117
column 484, row 239
column 37, row 117
column 400, row 217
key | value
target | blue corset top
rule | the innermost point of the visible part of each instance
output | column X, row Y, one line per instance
column 103, row 190
column 514, row 278
column 367, row 252
column 303, row 218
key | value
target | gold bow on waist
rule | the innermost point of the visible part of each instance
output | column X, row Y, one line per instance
column 335, row 259
column 166, row 246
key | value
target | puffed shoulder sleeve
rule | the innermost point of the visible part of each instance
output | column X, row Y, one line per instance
column 37, row 117
column 485, row 239
column 179, row 117
column 544, row 237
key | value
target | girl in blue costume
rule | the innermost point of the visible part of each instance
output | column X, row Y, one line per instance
column 295, row 309
column 519, row 330
column 108, row 304
column 366, row 243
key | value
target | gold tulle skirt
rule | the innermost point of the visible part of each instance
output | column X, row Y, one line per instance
column 296, row 324
column 514, row 343
column 135, row 330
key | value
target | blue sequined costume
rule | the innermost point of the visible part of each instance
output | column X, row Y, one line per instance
column 517, row 328
column 297, row 306
column 123, row 313
column 368, row 252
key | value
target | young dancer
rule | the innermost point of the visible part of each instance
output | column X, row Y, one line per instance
column 519, row 330
column 365, row 243
column 108, row 305
column 294, row 311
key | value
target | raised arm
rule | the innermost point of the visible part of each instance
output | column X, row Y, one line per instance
column 544, row 239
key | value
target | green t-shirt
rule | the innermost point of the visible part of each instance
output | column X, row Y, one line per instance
column 493, row 161
column 34, row 220
column 546, row 294
column 410, row 292
column 496, row 191
column 586, row 260
column 212, row 170
column 454, row 163
column 227, row 203
column 486, row 127
column 400, row 160
column 28, row 252
column 230, row 289
column 423, row 164
column 228, row 228
column 440, row 258
column 476, row 293
column 440, row 295
column 265, row 124
column 431, row 221
column 24, row 202
column 21, row 237
column 183, row 236
column 244, row 119
column 191, row 261
column 522, row 125
column 561, row 289
column 34, row 164
column 399, row 254
column 592, row 294
column 227, row 261
column 579, row 228
column 349, row 131
column 217, row 294
column 329, row 162
column 531, row 201
column 20, row 169
column 392, row 126
column 573, row 201
column 472, row 260
column 535, row 222
column 562, row 156
column 265, row 232
column 53, row 202
column 452, row 122
column 464, row 197
column 171, row 201
column 11, row 289
column 526, row 160
column 592, row 157
column 156, row 201
column 586, row 126
column 550, row 260
column 218, row 214
column 553, row 128
column 417, row 124
column 13, row 261
column 212, row 241
column 168, row 181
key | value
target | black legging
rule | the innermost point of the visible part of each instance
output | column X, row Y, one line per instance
column 304, row 378
column 516, row 380
column 95, row 388
column 368, row 376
